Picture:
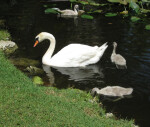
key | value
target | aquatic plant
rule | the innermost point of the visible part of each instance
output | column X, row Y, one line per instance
column 135, row 18
column 50, row 10
column 110, row 14
column 85, row 16
column 147, row 27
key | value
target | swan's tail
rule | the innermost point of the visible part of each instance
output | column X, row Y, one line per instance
column 102, row 48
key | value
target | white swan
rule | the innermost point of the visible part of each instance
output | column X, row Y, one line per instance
column 73, row 55
column 68, row 12
column 118, row 59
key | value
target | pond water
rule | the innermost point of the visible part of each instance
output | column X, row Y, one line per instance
column 26, row 19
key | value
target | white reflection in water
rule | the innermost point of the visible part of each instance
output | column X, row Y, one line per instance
column 76, row 73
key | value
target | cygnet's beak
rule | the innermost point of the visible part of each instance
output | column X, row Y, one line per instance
column 36, row 42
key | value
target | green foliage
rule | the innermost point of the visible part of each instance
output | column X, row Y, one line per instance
column 50, row 10
column 110, row 14
column 24, row 104
column 125, row 2
column 147, row 27
column 87, row 16
column 134, row 6
column 135, row 19
column 73, row 1
column 144, row 10
column 4, row 35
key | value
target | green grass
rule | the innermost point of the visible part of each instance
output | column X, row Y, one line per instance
column 4, row 35
column 24, row 104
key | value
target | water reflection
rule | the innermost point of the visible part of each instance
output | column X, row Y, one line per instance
column 77, row 73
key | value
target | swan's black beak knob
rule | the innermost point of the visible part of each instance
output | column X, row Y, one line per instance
column 36, row 42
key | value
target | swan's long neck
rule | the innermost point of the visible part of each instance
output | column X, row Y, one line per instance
column 75, row 10
column 47, row 56
column 114, row 50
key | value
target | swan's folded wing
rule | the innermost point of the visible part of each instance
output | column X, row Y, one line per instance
column 75, row 55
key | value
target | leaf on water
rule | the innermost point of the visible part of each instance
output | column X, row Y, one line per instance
column 134, row 6
column 84, row 2
column 94, row 4
column 125, row 2
column 147, row 27
column 144, row 10
column 87, row 16
column 50, row 10
column 114, row 1
column 146, row 1
column 73, row 1
column 135, row 19
column 97, row 11
column 124, row 12
column 110, row 14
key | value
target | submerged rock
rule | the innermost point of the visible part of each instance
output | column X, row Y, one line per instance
column 37, row 80
column 109, row 115
column 8, row 47
column 114, row 91
column 25, row 62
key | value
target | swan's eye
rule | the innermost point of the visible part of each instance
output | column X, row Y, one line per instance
column 37, row 39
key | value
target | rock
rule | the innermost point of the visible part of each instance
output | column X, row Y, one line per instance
column 37, row 80
column 34, row 70
column 8, row 47
column 25, row 62
column 109, row 115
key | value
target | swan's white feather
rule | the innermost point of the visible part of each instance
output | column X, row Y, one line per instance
column 75, row 55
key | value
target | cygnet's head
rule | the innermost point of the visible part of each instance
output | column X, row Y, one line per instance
column 42, row 36
column 114, row 44
column 76, row 7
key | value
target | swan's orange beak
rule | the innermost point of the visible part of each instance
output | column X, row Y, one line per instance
column 36, row 42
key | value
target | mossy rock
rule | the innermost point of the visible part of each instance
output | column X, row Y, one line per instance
column 37, row 80
column 8, row 47
column 31, row 70
column 5, row 35
column 24, row 62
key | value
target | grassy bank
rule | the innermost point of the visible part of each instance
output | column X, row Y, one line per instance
column 24, row 104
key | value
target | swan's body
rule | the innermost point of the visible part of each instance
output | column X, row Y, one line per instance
column 73, row 55
column 117, row 58
column 68, row 12
column 112, row 91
